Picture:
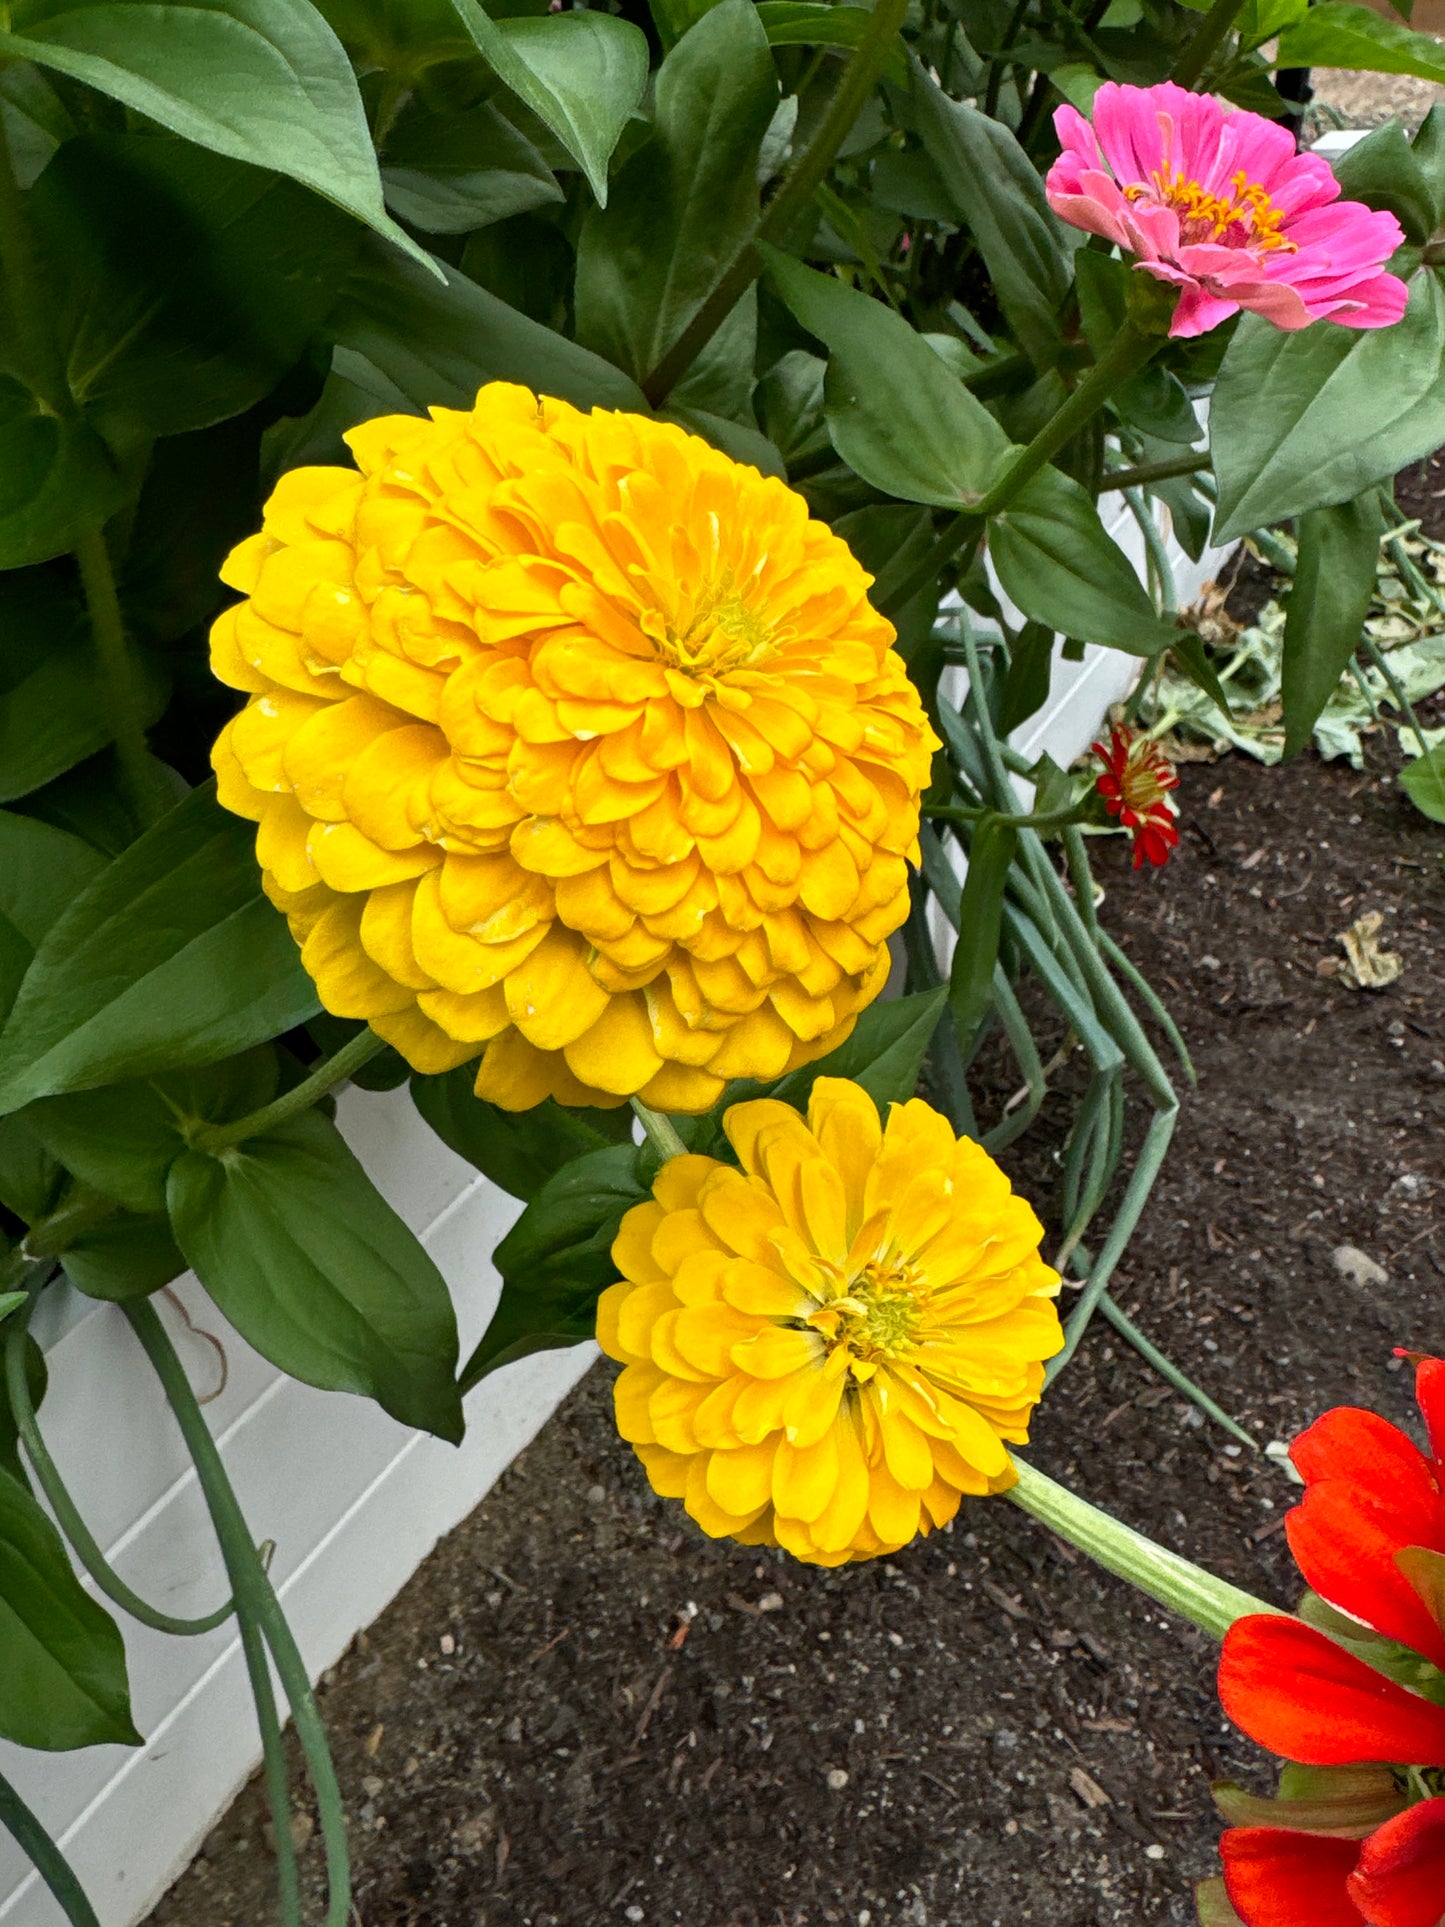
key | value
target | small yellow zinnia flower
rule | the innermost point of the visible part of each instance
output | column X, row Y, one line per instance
column 574, row 741
column 827, row 1348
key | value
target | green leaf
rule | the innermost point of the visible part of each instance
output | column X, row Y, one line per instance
column 122, row 1140
column 57, row 717
column 41, row 869
column 313, row 1267
column 185, row 285
column 264, row 81
column 11, row 1301
column 62, row 1664
column 891, row 541
column 1190, row 654
column 35, row 120
column 1329, row 598
column 1058, row 563
column 30, row 1179
column 519, row 1151
column 56, row 479
column 681, row 209
column 817, row 23
column 895, row 413
column 450, row 173
column 556, row 1261
column 438, row 344
column 995, row 191
column 580, row 73
column 125, row 1257
column 172, row 956
column 980, row 923
column 1026, row 686
column 1301, row 421
column 1339, row 34
column 1423, row 781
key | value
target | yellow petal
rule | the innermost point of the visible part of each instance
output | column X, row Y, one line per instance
column 424, row 1045
column 551, row 994
column 616, row 1053
column 347, row 981
column 805, row 1477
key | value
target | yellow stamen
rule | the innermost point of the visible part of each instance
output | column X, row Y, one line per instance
column 1210, row 217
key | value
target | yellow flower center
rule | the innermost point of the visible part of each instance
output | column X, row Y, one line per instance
column 1141, row 787
column 713, row 631
column 1246, row 218
column 876, row 1318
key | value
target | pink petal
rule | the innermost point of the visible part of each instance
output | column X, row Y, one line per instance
column 1198, row 312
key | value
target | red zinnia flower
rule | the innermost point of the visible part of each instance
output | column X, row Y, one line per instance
column 1134, row 782
column 1358, row 1837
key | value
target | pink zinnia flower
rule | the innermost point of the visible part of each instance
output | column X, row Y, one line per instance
column 1219, row 203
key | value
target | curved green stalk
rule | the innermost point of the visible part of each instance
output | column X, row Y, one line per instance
column 255, row 1598
column 46, row 1858
column 67, row 1514
column 1209, row 1603
column 660, row 1129
column 327, row 1075
column 273, row 1769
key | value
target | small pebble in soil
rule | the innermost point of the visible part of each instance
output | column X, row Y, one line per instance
column 1358, row 1268
column 836, row 1779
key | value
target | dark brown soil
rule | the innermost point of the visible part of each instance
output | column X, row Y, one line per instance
column 580, row 1711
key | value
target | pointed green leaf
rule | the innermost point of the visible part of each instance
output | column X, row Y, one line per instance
column 56, row 479
column 171, row 956
column 1057, row 561
column 1329, row 598
column 264, row 81
column 996, row 192
column 1423, row 781
column 1339, row 34
column 580, row 73
column 314, row 1268
column 1304, row 420
column 62, row 1664
column 895, row 413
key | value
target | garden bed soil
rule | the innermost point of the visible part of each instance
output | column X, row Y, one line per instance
column 581, row 1711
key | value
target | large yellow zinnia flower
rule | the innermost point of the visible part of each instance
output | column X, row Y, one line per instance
column 572, row 738
column 825, row 1349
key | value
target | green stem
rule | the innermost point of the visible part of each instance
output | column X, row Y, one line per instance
column 122, row 679
column 255, row 1598
column 1190, row 66
column 47, row 1859
column 857, row 82
column 660, row 1129
column 966, row 813
column 1407, row 708
column 1131, row 350
column 997, row 64
column 79, row 1211
column 1209, row 1603
column 330, row 1072
column 1168, row 1370
column 273, row 1770
column 67, row 1514
column 1146, row 472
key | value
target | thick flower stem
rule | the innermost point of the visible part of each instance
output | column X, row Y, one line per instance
column 660, row 1129
column 46, row 1858
column 849, row 97
column 330, row 1072
column 77, row 1533
column 121, row 676
column 256, row 1601
column 1146, row 472
column 1190, row 66
column 1196, row 1595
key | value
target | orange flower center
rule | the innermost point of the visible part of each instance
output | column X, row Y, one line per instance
column 1245, row 218
column 1140, row 785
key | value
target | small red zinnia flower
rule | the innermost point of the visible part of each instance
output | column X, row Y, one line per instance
column 1357, row 1838
column 1134, row 782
